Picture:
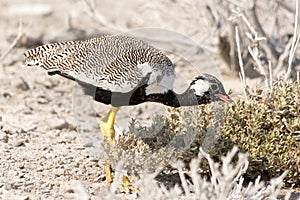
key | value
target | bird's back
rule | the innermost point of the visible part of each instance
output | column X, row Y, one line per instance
column 117, row 63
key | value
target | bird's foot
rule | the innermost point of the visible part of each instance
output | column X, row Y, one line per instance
column 127, row 187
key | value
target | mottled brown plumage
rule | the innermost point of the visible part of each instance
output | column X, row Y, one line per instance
column 108, row 62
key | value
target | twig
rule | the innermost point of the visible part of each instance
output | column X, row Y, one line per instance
column 214, row 177
column 256, row 20
column 254, row 33
column 294, row 43
column 270, row 75
column 282, row 57
column 21, row 33
column 237, row 38
column 261, row 69
column 242, row 73
column 182, row 178
column 242, row 171
column 271, row 47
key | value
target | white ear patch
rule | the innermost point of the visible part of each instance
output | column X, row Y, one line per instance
column 200, row 86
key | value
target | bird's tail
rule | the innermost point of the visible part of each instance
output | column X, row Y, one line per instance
column 51, row 57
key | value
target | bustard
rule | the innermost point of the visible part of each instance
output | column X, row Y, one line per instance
column 124, row 71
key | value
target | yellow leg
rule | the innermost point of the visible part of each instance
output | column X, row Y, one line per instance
column 108, row 174
column 107, row 129
column 107, row 125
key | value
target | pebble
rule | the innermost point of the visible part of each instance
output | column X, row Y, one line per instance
column 17, row 184
column 3, row 137
column 27, row 110
column 10, row 129
column 31, row 128
column 20, row 83
column 59, row 172
column 42, row 100
column 88, row 144
column 79, row 147
column 18, row 142
column 7, row 95
column 59, row 124
column 29, row 183
column 67, row 137
column 45, row 191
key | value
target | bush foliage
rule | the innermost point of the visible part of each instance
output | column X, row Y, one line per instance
column 268, row 127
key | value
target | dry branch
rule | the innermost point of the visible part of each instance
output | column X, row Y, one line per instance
column 21, row 33
column 271, row 48
column 242, row 73
column 255, row 55
column 295, row 43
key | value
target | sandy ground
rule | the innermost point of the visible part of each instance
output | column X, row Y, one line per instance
column 49, row 136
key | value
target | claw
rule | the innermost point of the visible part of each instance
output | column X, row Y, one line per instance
column 126, row 187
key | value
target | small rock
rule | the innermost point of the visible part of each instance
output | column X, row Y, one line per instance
column 21, row 175
column 27, row 110
column 67, row 137
column 59, row 172
column 79, row 147
column 7, row 95
column 70, row 190
column 3, row 137
column 42, row 100
column 18, row 184
column 20, row 83
column 45, row 191
column 31, row 128
column 88, row 144
column 18, row 143
column 29, row 183
column 10, row 129
column 60, row 124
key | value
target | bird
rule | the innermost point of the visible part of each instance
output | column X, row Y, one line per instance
column 121, row 70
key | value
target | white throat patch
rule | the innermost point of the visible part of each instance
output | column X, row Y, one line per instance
column 200, row 86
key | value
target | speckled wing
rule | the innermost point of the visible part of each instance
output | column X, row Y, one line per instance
column 116, row 63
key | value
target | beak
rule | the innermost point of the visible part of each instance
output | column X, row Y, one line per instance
column 226, row 98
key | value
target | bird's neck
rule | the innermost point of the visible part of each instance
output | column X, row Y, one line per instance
column 170, row 98
column 138, row 96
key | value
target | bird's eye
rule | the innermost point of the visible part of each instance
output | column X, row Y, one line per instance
column 214, row 87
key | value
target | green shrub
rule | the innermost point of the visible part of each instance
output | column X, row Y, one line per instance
column 268, row 127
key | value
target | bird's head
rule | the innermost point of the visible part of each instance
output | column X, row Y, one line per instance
column 208, row 88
